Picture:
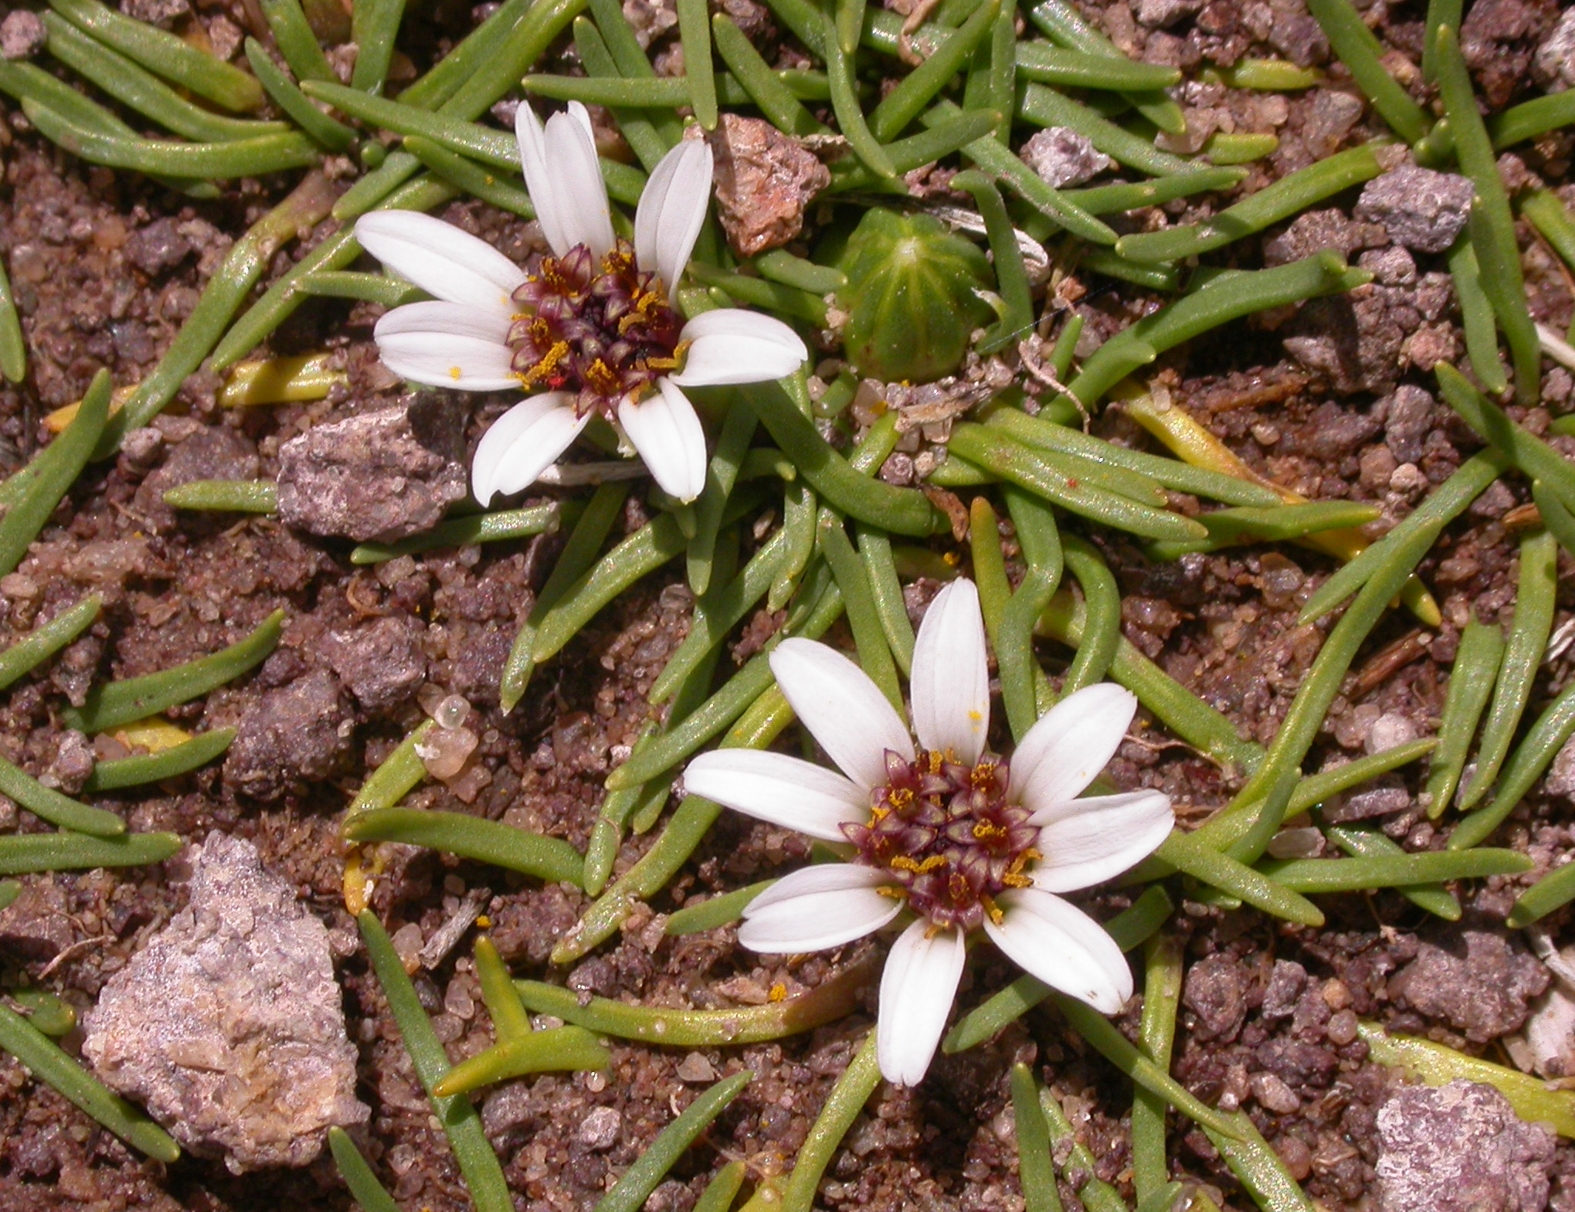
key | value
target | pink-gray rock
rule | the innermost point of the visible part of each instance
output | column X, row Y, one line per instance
column 37, row 925
column 1480, row 986
column 22, row 35
column 156, row 12
column 1286, row 982
column 297, row 734
column 1162, row 14
column 1460, row 1148
column 1553, row 67
column 764, row 179
column 380, row 663
column 1420, row 208
column 1215, row 990
column 228, row 1025
column 381, row 475
column 211, row 453
column 1062, row 157
column 1408, row 420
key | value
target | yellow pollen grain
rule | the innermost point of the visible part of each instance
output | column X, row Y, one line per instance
column 993, row 910
column 987, row 832
column 778, row 992
column 455, row 373
column 892, row 891
column 901, row 797
column 903, row 862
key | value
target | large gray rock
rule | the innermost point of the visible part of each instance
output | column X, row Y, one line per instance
column 1460, row 1148
column 382, row 475
column 228, row 1025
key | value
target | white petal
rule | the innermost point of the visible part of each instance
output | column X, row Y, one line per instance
column 783, row 790
column 441, row 259
column 752, row 353
column 737, row 322
column 731, row 345
column 671, row 211
column 951, row 675
column 1072, row 742
column 1063, row 947
column 842, row 709
column 523, row 443
column 444, row 360
column 916, row 993
column 667, row 433
column 1103, row 836
column 815, row 908
column 445, row 319
column 564, row 179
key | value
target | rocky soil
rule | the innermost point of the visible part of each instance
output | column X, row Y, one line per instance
column 1333, row 401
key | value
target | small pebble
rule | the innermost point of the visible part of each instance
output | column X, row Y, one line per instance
column 22, row 35
column 1273, row 1094
column 445, row 751
column 1342, row 1028
column 599, row 1129
column 695, row 1068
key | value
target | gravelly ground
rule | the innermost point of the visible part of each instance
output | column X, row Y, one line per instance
column 105, row 268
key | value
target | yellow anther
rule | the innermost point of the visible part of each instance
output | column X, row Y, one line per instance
column 545, row 365
column 986, row 831
column 778, row 992
column 601, row 378
column 903, row 862
column 993, row 910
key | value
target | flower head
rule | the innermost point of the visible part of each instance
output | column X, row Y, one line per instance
column 593, row 331
column 959, row 837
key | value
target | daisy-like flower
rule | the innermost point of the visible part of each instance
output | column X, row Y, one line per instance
column 593, row 332
column 959, row 837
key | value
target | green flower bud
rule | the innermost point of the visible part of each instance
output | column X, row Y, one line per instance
column 913, row 296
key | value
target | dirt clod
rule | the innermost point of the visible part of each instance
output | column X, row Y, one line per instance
column 295, row 734
column 228, row 1025
column 37, row 925
column 381, row 475
column 1481, row 984
column 380, row 662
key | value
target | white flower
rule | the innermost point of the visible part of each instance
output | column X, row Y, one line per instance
column 595, row 326
column 953, row 834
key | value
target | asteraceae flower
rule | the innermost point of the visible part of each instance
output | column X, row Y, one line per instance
column 957, row 836
column 593, row 331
